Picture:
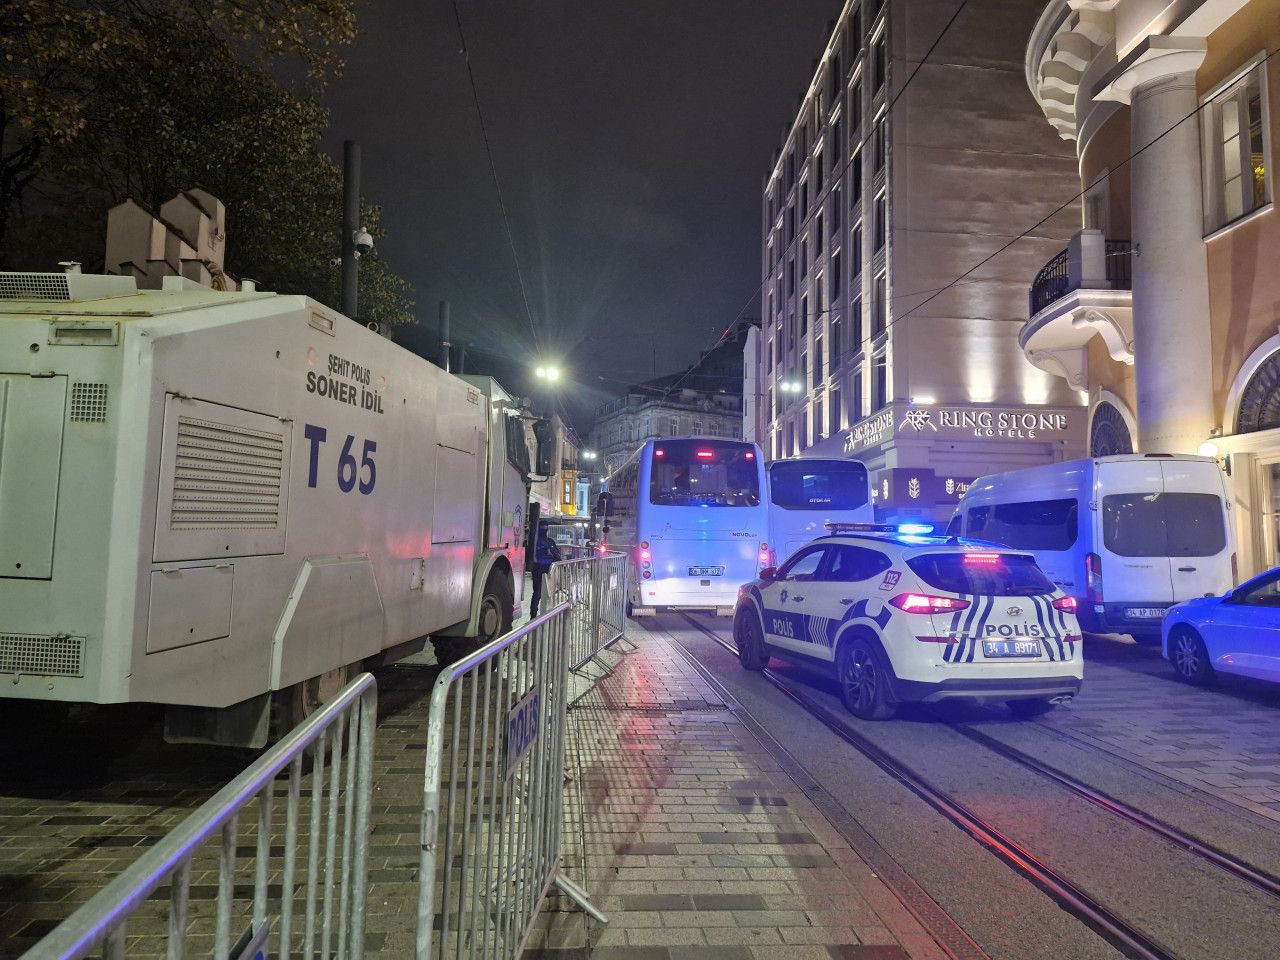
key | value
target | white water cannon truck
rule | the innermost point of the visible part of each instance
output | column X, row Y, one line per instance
column 228, row 502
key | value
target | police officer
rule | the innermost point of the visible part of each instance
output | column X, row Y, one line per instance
column 545, row 553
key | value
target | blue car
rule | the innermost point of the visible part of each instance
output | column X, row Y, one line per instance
column 1237, row 633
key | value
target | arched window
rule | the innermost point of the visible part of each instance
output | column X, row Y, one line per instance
column 1260, row 401
column 1109, row 434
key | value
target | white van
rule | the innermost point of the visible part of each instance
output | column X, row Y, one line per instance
column 1128, row 536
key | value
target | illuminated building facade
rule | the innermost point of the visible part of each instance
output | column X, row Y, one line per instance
column 871, row 208
column 1165, row 304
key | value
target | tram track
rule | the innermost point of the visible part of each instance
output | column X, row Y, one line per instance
column 1116, row 930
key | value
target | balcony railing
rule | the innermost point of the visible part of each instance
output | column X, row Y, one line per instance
column 1089, row 263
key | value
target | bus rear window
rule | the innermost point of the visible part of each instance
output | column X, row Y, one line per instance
column 818, row 484
column 690, row 473
column 1010, row 575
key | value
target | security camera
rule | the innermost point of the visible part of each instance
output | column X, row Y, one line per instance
column 363, row 241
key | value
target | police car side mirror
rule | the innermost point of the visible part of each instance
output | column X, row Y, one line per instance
column 769, row 573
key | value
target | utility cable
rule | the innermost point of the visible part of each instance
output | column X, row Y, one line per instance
column 493, row 170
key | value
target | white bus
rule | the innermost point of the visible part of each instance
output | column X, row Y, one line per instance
column 807, row 493
column 691, row 514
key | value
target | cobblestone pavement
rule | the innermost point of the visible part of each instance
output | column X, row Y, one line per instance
column 1224, row 740
column 689, row 836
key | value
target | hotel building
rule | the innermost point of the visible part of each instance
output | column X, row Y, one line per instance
column 1165, row 307
column 890, row 184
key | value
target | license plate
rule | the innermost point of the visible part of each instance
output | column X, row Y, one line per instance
column 1144, row 613
column 1011, row 648
column 706, row 571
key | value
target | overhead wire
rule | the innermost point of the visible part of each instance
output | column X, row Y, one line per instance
column 493, row 171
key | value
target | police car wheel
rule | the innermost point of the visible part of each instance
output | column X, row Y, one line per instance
column 864, row 681
column 1027, row 709
column 1189, row 656
column 752, row 653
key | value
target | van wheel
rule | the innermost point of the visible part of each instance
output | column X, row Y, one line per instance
column 864, row 680
column 752, row 652
column 1029, row 709
column 1189, row 656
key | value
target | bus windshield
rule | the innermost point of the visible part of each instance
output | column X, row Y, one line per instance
column 818, row 484
column 711, row 473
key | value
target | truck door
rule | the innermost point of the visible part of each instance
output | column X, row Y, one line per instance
column 31, row 423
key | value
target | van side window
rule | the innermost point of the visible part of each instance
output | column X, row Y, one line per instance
column 1028, row 525
column 978, row 521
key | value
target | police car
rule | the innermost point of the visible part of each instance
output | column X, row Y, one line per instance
column 905, row 616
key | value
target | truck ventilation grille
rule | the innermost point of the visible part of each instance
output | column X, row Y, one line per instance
column 39, row 656
column 34, row 286
column 89, row 402
column 226, row 477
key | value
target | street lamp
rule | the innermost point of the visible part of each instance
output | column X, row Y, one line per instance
column 547, row 373
column 789, row 386
column 588, row 454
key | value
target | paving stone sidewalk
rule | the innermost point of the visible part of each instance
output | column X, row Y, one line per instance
column 695, row 843
column 1224, row 741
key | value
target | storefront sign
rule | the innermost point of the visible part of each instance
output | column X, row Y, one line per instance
column 918, row 487
column 962, row 422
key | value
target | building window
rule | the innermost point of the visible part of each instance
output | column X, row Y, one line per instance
column 804, row 430
column 855, row 328
column 855, row 178
column 878, row 308
column 853, row 33
column 791, row 276
column 791, row 440
column 879, row 382
column 855, row 399
column 1108, row 434
column 881, row 150
column 819, row 422
column 1260, row 401
column 855, row 107
column 673, row 426
column 768, row 351
column 804, row 258
column 819, row 237
column 835, row 76
column 819, row 171
column 791, row 222
column 856, row 252
column 804, row 315
column 879, row 62
column 835, row 343
column 1236, row 150
column 835, row 425
column 804, row 200
column 804, row 369
column 768, row 404
column 819, row 300
column 837, row 145
column 835, row 210
column 791, row 170
column 881, row 214
column 837, row 281
column 817, row 361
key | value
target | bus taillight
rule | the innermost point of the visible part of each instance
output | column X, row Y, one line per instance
column 705, row 454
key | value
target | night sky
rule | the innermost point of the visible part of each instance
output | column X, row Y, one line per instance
column 630, row 138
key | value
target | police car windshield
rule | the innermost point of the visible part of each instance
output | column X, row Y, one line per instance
column 709, row 473
column 1001, row 575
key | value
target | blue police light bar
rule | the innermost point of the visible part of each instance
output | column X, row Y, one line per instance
column 915, row 529
column 839, row 527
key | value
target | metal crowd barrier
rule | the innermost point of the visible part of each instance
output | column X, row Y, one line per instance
column 597, row 588
column 493, row 796
column 332, row 825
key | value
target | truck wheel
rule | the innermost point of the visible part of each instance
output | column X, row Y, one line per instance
column 496, row 607
column 291, row 706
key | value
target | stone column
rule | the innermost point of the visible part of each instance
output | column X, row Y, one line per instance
column 1170, row 271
